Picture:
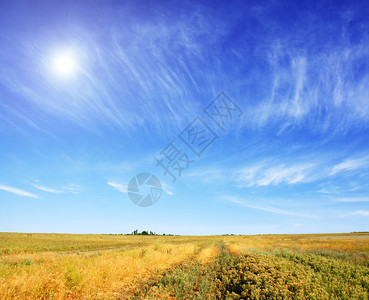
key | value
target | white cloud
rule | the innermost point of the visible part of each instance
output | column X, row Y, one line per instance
column 279, row 174
column 248, row 175
column 168, row 192
column 17, row 191
column 120, row 187
column 166, row 189
column 124, row 188
column 270, row 209
column 364, row 213
column 261, row 175
column 208, row 175
column 321, row 90
column 350, row 164
column 73, row 188
column 353, row 199
column 272, row 172
column 41, row 188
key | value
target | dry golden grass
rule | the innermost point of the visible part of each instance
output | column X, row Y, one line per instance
column 349, row 243
column 101, row 275
column 27, row 272
column 47, row 266
column 208, row 254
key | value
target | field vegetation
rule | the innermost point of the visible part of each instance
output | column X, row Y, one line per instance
column 61, row 266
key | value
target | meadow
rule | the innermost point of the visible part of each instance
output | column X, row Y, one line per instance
column 65, row 266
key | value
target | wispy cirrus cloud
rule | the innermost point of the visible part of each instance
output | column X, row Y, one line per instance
column 352, row 199
column 166, row 189
column 72, row 188
column 265, row 208
column 271, row 172
column 265, row 175
column 208, row 175
column 17, row 191
column 156, row 62
column 351, row 164
column 364, row 213
column 136, row 70
column 339, row 190
column 320, row 92
column 168, row 192
column 46, row 189
column 118, row 186
column 124, row 188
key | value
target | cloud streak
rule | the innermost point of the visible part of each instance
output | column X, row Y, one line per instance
column 124, row 188
column 352, row 200
column 271, row 172
column 118, row 186
column 17, row 191
column 73, row 188
column 351, row 164
column 364, row 213
column 264, row 175
column 269, row 209
column 45, row 189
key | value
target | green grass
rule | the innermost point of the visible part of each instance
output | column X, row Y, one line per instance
column 279, row 275
column 189, row 280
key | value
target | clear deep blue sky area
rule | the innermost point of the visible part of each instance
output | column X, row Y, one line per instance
column 253, row 116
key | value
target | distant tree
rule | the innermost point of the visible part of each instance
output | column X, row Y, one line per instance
column 144, row 232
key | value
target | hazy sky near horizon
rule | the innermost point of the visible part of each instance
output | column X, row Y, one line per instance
column 292, row 156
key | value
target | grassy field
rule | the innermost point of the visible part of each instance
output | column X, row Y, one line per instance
column 61, row 266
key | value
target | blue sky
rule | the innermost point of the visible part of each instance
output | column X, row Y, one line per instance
column 295, row 161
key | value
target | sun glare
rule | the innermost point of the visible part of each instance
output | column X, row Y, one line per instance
column 64, row 64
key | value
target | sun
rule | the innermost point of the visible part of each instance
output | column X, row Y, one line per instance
column 64, row 64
